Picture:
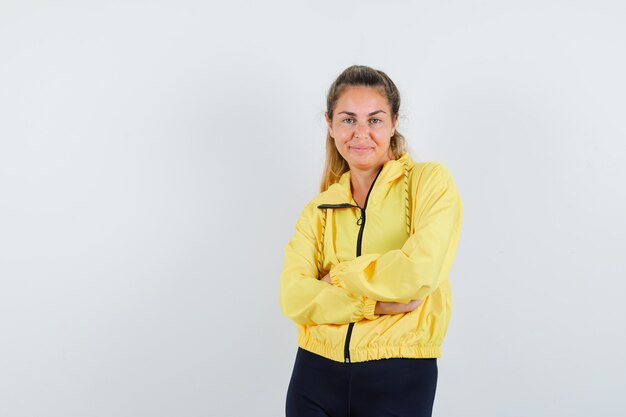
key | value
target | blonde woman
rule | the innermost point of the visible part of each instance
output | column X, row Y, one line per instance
column 365, row 276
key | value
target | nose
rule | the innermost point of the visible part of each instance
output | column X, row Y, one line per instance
column 361, row 130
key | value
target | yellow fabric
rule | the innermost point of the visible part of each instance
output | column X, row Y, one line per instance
column 393, row 266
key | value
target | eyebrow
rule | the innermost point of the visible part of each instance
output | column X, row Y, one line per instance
column 349, row 113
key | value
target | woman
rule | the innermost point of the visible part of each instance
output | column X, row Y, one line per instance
column 366, row 274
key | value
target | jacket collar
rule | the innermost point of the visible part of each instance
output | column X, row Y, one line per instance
column 341, row 193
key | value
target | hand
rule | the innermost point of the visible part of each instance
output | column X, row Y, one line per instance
column 383, row 307
column 326, row 278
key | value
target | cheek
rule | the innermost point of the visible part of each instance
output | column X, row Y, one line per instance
column 383, row 135
column 340, row 143
column 341, row 133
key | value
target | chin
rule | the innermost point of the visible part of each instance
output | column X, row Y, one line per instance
column 365, row 162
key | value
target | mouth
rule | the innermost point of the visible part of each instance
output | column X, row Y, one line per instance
column 360, row 148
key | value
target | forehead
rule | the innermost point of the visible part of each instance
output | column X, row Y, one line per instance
column 362, row 98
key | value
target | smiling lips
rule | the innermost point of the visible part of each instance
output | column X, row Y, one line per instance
column 360, row 148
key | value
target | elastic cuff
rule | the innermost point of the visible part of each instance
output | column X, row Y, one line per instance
column 369, row 306
column 334, row 279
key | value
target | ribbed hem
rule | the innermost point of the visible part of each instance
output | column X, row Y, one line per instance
column 370, row 353
column 312, row 345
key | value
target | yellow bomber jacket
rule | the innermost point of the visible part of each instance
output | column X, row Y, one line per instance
column 399, row 247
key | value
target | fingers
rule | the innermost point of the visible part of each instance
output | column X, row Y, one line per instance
column 326, row 278
column 412, row 305
column 396, row 308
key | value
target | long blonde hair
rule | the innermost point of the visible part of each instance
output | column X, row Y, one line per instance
column 358, row 75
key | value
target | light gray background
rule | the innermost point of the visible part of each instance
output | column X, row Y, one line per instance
column 154, row 156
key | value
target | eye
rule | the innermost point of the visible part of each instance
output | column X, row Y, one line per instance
column 348, row 120
column 375, row 121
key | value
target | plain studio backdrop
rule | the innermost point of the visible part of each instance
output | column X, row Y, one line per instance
column 155, row 155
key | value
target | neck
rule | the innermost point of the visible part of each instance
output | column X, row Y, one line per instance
column 361, row 180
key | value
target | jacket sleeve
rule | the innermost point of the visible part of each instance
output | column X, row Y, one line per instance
column 422, row 264
column 303, row 297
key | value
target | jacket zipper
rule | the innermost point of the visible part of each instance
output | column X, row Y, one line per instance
column 359, row 241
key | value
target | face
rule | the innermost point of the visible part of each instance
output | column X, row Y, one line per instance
column 362, row 127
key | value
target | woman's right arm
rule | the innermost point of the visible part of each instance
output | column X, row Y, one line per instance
column 390, row 307
column 306, row 299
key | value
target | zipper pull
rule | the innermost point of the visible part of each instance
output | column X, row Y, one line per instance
column 361, row 219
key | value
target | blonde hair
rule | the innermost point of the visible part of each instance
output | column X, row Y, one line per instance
column 358, row 75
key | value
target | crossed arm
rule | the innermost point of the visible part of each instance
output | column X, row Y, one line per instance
column 383, row 307
column 373, row 284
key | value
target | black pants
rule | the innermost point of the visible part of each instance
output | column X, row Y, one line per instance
column 320, row 387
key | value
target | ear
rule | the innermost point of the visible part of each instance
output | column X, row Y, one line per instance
column 329, row 122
